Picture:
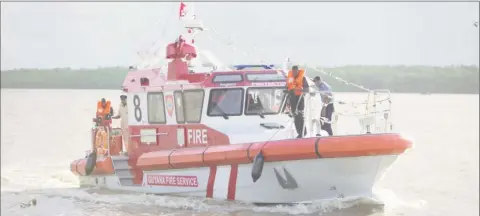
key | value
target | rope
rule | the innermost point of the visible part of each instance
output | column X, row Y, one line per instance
column 147, row 59
column 225, row 38
column 229, row 44
column 342, row 80
column 325, row 94
column 255, row 47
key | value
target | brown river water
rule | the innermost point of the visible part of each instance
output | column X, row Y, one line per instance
column 42, row 131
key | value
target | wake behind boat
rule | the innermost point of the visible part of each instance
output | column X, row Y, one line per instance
column 229, row 134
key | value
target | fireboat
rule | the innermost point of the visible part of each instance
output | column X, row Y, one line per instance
column 229, row 135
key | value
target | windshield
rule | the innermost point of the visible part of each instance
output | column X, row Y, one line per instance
column 264, row 100
column 225, row 102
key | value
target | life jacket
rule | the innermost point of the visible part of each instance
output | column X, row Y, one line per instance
column 295, row 83
column 102, row 112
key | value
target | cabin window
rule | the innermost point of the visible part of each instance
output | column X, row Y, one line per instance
column 228, row 78
column 188, row 106
column 264, row 101
column 179, row 106
column 156, row 108
column 272, row 77
column 193, row 103
column 225, row 102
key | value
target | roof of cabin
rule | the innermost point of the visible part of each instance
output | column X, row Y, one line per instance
column 157, row 80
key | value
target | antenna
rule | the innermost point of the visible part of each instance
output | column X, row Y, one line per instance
column 193, row 10
column 234, row 44
column 154, row 56
column 287, row 64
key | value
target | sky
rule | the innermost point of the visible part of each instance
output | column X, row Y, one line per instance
column 101, row 34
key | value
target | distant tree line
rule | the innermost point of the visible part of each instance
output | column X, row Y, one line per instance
column 407, row 79
column 400, row 79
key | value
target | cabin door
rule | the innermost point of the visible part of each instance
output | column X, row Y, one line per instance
column 188, row 112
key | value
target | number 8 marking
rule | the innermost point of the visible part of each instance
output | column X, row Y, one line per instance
column 138, row 111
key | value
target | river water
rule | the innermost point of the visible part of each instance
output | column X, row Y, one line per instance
column 42, row 131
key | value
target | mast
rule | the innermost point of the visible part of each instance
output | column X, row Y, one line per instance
column 155, row 57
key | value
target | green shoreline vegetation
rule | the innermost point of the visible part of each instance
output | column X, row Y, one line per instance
column 398, row 79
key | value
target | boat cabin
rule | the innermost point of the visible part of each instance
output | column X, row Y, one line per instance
column 187, row 109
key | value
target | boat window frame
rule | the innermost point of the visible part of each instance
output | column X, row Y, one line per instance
column 218, row 75
column 182, row 93
column 242, row 100
column 176, row 108
column 280, row 109
column 164, row 108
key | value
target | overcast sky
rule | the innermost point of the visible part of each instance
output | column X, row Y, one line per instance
column 93, row 34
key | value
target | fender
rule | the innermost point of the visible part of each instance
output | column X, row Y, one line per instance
column 91, row 162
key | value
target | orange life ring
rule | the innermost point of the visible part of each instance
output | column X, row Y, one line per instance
column 101, row 141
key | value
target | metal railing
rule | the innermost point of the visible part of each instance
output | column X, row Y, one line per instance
column 368, row 117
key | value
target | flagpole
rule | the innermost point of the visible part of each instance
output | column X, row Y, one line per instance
column 193, row 9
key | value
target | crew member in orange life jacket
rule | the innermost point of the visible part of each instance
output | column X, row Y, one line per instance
column 104, row 109
column 296, row 85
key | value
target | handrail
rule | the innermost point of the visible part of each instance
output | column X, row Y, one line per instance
column 374, row 99
column 264, row 66
column 93, row 133
column 108, row 139
column 157, row 134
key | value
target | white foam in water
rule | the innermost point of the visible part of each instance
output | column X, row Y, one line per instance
column 78, row 196
column 320, row 206
column 42, row 177
column 392, row 201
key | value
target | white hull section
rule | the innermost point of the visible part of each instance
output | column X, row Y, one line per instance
column 315, row 179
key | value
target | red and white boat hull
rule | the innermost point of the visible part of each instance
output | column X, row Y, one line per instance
column 316, row 179
column 231, row 135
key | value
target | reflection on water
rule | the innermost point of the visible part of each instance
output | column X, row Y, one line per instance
column 44, row 130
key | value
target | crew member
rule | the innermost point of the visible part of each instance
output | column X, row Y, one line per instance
column 123, row 114
column 327, row 99
column 296, row 85
column 104, row 109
